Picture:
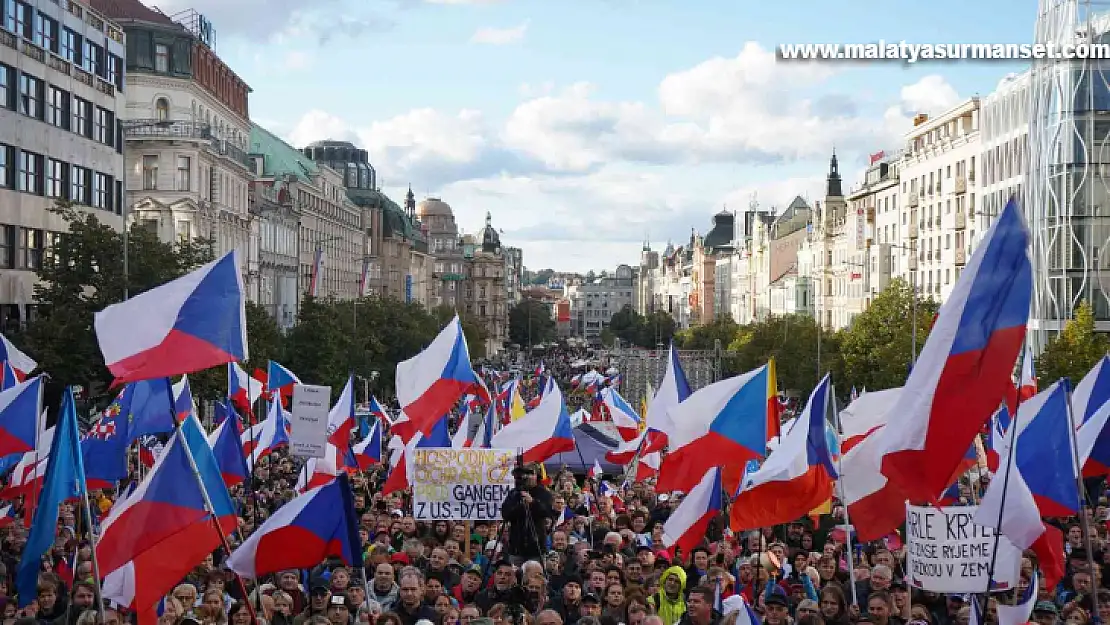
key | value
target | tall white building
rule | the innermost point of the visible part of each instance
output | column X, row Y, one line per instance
column 186, row 131
column 61, row 82
column 938, row 195
column 593, row 302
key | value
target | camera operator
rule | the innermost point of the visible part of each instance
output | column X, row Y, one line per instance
column 527, row 506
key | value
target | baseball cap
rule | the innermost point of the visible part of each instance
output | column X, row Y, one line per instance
column 590, row 597
column 400, row 558
column 776, row 598
column 1045, row 606
column 339, row 600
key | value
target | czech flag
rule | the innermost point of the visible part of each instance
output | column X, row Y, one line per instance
column 966, row 364
column 7, row 515
column 320, row 471
column 865, row 415
column 623, row 414
column 228, row 452
column 430, row 383
column 242, row 389
column 261, row 440
column 1015, row 502
column 20, row 407
column 151, row 540
column 1045, row 441
column 686, row 526
column 725, row 422
column 341, row 419
column 304, row 532
column 1093, row 441
column 193, row 323
column 401, row 451
column 542, row 433
column 22, row 363
column 367, row 452
column 996, row 433
column 797, row 478
column 673, row 390
column 11, row 377
column 376, row 410
column 280, row 380
column 1092, row 391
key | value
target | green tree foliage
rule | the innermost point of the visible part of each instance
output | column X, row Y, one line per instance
column 706, row 336
column 530, row 323
column 877, row 348
column 635, row 329
column 792, row 340
column 1073, row 351
column 82, row 275
column 264, row 339
column 319, row 348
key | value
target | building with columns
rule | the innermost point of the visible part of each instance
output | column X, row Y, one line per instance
column 186, row 131
column 484, row 288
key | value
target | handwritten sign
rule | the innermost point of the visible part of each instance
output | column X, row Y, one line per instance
column 946, row 551
column 309, row 423
column 460, row 484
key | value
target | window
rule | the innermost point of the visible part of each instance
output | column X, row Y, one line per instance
column 7, row 175
column 7, row 92
column 70, row 46
column 101, row 190
column 104, row 127
column 17, row 18
column 184, row 171
column 94, row 58
column 55, row 178
column 150, row 173
column 162, row 109
column 161, row 58
column 115, row 75
column 30, row 96
column 82, row 117
column 53, row 242
column 7, row 247
column 46, row 32
column 29, row 176
column 33, row 244
column 79, row 185
column 57, row 108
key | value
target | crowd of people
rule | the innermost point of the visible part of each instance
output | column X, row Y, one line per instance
column 603, row 562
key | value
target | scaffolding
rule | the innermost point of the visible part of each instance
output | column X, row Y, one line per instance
column 198, row 25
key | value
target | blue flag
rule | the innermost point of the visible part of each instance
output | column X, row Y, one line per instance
column 65, row 479
column 104, row 448
column 148, row 408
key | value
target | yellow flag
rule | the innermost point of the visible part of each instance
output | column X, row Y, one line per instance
column 516, row 403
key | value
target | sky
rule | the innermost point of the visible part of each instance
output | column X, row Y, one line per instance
column 585, row 127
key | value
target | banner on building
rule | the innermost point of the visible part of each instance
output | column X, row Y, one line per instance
column 460, row 484
column 946, row 551
column 308, row 437
column 408, row 288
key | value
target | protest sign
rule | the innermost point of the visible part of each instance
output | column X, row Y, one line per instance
column 460, row 484
column 946, row 551
column 309, row 423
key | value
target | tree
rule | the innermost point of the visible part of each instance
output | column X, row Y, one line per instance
column 627, row 325
column 706, row 336
column 1074, row 350
column 878, row 346
column 530, row 323
column 792, row 340
column 82, row 275
column 318, row 349
column 658, row 329
column 265, row 343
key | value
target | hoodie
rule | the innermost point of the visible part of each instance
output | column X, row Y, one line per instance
column 670, row 611
column 387, row 600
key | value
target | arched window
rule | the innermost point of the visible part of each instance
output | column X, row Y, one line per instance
column 162, row 109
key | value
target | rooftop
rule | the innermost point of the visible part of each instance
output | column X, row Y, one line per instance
column 279, row 158
column 131, row 10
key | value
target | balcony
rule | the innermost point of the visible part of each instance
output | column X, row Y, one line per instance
column 961, row 185
column 913, row 230
column 8, row 39
column 83, row 77
column 160, row 129
column 58, row 64
column 961, row 220
column 913, row 262
column 913, row 200
column 225, row 148
column 34, row 52
column 961, row 256
column 871, row 215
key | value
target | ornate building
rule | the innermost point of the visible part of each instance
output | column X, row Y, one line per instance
column 186, row 129
column 484, row 289
column 448, row 273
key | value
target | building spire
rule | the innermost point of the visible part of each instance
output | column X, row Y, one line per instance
column 834, row 183
column 410, row 202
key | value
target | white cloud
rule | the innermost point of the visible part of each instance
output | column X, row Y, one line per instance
column 567, row 166
column 297, row 60
column 280, row 20
column 500, row 36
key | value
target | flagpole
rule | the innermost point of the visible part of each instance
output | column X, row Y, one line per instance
column 207, row 499
column 1010, row 460
column 850, row 553
column 1082, row 489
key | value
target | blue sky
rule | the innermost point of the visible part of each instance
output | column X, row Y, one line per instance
column 584, row 126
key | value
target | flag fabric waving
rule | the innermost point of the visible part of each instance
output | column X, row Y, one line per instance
column 192, row 323
column 20, row 407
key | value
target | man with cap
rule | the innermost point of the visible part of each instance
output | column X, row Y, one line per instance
column 470, row 584
column 527, row 507
column 339, row 610
column 317, row 602
column 777, row 608
column 1045, row 613
column 569, row 603
column 591, row 605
